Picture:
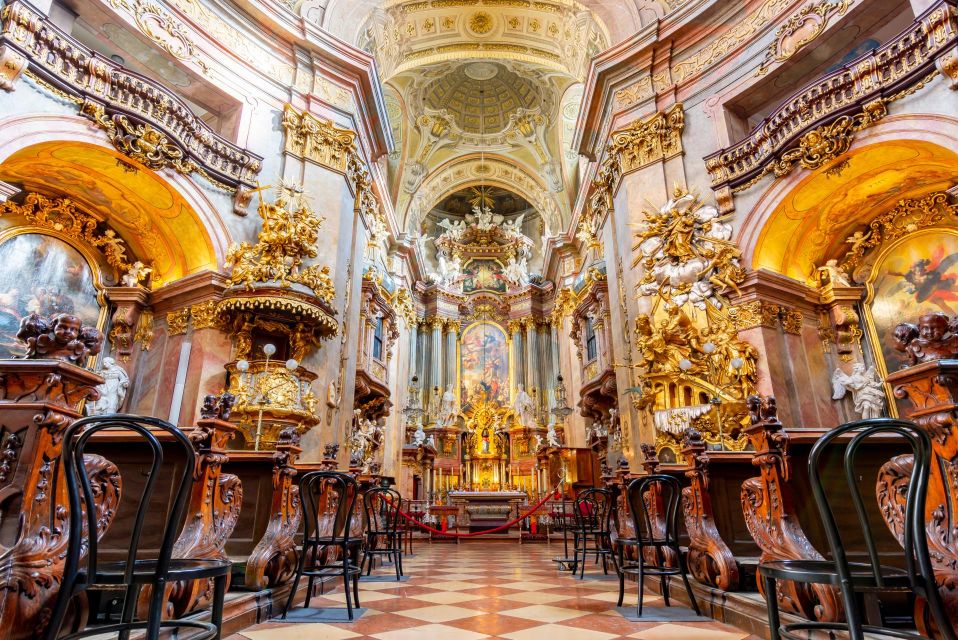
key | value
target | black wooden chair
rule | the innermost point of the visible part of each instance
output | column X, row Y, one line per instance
column 862, row 578
column 93, row 576
column 592, row 531
column 383, row 532
column 647, row 537
column 329, row 546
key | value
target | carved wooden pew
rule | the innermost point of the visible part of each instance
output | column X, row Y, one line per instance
column 928, row 394
column 772, row 518
column 710, row 560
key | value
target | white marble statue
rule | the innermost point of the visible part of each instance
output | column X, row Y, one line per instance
column 551, row 436
column 419, row 437
column 483, row 218
column 831, row 272
column 450, row 269
column 112, row 391
column 431, row 441
column 523, row 407
column 538, row 444
column 866, row 387
column 136, row 274
column 447, row 408
column 453, row 228
column 513, row 228
column 516, row 272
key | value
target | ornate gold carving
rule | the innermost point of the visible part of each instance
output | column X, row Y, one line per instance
column 658, row 137
column 285, row 397
column 288, row 236
column 565, row 303
column 177, row 322
column 141, row 142
column 206, row 315
column 737, row 34
column 827, row 142
column 591, row 371
column 61, row 215
column 907, row 217
column 792, row 321
column 163, row 28
column 318, row 140
column 686, row 254
column 801, row 29
column 404, row 307
column 144, row 330
column 481, row 23
column 514, row 326
column 754, row 314
column 814, row 126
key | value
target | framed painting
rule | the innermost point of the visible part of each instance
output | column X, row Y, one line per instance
column 483, row 274
column 484, row 363
column 45, row 275
column 914, row 276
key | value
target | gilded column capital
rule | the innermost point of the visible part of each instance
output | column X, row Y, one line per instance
column 792, row 320
column 656, row 138
column 317, row 140
column 177, row 321
column 435, row 322
column 756, row 313
column 453, row 326
column 514, row 326
column 206, row 315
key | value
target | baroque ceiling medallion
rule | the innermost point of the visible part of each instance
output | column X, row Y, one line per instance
column 480, row 23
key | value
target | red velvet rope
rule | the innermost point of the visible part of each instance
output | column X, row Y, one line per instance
column 545, row 499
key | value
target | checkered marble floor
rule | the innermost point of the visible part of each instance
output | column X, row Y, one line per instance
column 490, row 590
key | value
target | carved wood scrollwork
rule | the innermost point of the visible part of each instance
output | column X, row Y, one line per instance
column 771, row 518
column 212, row 513
column 709, row 558
column 273, row 561
column 38, row 400
column 931, row 390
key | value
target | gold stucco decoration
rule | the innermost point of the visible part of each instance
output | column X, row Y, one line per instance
column 289, row 236
column 480, row 23
column 317, row 140
column 801, row 29
column 658, row 137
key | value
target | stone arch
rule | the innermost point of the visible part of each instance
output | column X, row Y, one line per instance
column 165, row 217
column 473, row 170
column 804, row 218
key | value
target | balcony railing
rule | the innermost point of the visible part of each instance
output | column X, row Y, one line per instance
column 144, row 119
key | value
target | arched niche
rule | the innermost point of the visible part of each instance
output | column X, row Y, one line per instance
column 46, row 272
column 165, row 219
column 803, row 220
column 474, row 171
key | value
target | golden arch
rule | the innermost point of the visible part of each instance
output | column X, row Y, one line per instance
column 155, row 220
column 810, row 224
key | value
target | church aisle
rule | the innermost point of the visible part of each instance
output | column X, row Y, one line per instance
column 490, row 590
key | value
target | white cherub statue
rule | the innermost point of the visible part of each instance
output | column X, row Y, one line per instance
column 136, row 274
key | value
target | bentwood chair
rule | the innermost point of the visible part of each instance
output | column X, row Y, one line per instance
column 92, row 577
column 665, row 557
column 383, row 534
column 329, row 501
column 867, row 578
column 592, row 532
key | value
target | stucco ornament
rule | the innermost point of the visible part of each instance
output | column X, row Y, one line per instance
column 866, row 389
column 686, row 253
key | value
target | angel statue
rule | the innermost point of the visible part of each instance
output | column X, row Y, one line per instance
column 419, row 436
column 513, row 228
column 866, row 388
column 136, row 274
column 447, row 409
column 453, row 228
column 483, row 218
column 449, row 269
column 516, row 272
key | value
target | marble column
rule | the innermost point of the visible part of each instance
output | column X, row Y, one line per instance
column 532, row 358
column 413, row 351
column 452, row 335
column 435, row 355
column 515, row 329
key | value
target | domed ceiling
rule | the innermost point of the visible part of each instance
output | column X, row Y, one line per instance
column 481, row 96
